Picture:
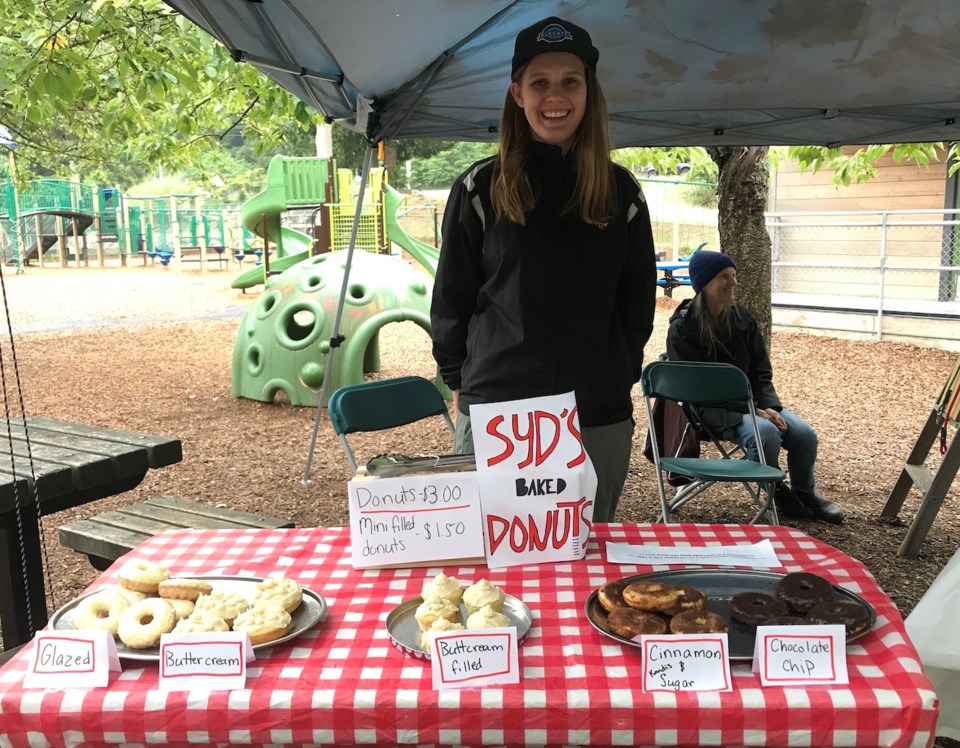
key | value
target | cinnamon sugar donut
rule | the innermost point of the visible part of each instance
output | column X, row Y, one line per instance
column 610, row 595
column 143, row 623
column 690, row 598
column 630, row 622
column 698, row 622
column 651, row 596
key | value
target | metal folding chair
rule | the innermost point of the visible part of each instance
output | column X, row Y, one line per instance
column 701, row 384
column 383, row 404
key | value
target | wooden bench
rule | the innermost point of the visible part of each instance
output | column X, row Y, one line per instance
column 108, row 536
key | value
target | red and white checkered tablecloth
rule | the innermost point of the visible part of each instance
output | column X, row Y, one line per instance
column 343, row 683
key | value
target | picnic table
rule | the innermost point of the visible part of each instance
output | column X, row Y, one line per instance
column 674, row 274
column 64, row 465
column 343, row 683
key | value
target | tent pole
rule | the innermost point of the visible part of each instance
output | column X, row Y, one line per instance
column 336, row 338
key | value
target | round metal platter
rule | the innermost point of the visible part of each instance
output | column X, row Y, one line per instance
column 311, row 610
column 719, row 585
column 405, row 631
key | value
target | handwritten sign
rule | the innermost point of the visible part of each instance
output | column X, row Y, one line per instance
column 475, row 658
column 536, row 479
column 72, row 659
column 686, row 662
column 206, row 661
column 801, row 655
column 755, row 554
column 416, row 518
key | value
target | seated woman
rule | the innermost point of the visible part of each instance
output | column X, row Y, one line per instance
column 712, row 326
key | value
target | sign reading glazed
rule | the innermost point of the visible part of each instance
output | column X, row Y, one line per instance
column 536, row 480
column 78, row 659
column 427, row 517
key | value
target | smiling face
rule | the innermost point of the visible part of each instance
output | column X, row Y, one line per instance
column 552, row 92
column 722, row 288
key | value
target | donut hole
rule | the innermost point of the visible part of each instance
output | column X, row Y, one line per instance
column 146, row 619
column 101, row 613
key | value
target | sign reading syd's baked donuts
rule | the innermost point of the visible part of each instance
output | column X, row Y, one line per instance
column 537, row 484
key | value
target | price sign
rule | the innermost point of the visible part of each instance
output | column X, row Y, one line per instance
column 413, row 519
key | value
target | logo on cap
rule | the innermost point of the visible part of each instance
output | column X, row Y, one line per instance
column 554, row 33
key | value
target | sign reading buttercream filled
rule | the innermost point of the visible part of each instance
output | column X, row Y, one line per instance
column 468, row 659
column 536, row 480
column 429, row 517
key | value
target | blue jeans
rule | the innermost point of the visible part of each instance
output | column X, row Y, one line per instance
column 800, row 441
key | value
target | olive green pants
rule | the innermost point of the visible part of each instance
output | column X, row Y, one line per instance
column 609, row 449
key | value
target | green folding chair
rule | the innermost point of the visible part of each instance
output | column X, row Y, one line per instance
column 384, row 404
column 695, row 385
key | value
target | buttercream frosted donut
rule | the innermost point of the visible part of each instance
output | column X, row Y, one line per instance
column 142, row 576
column 483, row 593
column 200, row 622
column 225, row 605
column 432, row 608
column 143, row 623
column 449, row 588
column 100, row 611
column 286, row 593
column 263, row 624
column 802, row 590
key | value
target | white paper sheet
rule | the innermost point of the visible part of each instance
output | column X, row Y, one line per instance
column 752, row 554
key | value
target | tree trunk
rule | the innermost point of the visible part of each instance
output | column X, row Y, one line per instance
column 744, row 184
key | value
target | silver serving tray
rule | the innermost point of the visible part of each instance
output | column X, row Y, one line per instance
column 405, row 631
column 720, row 585
column 311, row 611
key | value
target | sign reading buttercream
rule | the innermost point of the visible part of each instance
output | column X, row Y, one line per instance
column 801, row 655
column 429, row 517
column 469, row 659
column 536, row 480
column 72, row 659
column 686, row 662
column 214, row 661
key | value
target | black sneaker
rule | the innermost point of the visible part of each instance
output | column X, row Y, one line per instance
column 788, row 503
column 820, row 507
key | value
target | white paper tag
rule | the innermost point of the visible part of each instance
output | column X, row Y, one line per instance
column 685, row 662
column 204, row 661
column 72, row 659
column 469, row 659
column 756, row 554
column 801, row 655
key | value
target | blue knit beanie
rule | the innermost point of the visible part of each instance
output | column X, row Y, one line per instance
column 704, row 265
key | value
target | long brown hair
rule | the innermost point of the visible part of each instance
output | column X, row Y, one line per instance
column 511, row 192
column 715, row 332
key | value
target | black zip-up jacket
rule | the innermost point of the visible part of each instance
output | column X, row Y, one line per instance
column 552, row 306
column 745, row 349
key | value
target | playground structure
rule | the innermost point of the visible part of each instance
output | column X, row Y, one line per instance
column 283, row 342
column 56, row 215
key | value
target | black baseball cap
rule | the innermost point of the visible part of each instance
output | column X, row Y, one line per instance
column 553, row 35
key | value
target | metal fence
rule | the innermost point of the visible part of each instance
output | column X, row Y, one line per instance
column 903, row 262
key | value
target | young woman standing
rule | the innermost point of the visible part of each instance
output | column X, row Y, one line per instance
column 547, row 277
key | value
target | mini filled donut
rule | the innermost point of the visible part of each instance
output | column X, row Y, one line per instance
column 802, row 590
column 753, row 608
column 630, row 622
column 690, row 598
column 143, row 623
column 651, row 596
column 100, row 611
column 610, row 595
column 142, row 576
column 698, row 622
column 851, row 615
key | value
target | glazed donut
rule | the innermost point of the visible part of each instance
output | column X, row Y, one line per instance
column 200, row 623
column 285, row 592
column 225, row 605
column 630, row 622
column 131, row 596
column 852, row 615
column 184, row 589
column 100, row 611
column 651, row 596
column 698, row 622
column 690, row 598
column 610, row 595
column 263, row 624
column 143, row 623
column 802, row 590
column 753, row 608
column 182, row 608
column 142, row 576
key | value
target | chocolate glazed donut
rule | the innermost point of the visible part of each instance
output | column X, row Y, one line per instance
column 753, row 608
column 802, row 590
column 853, row 616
